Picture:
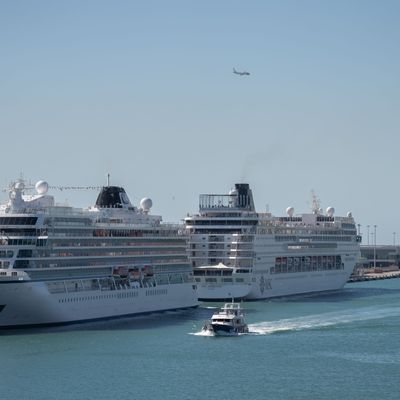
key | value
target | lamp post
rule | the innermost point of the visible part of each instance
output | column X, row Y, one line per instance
column 375, row 246
column 368, row 234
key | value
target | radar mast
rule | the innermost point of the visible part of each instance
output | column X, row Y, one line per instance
column 315, row 203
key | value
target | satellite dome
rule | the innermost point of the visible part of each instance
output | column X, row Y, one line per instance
column 232, row 192
column 42, row 187
column 290, row 211
column 330, row 211
column 349, row 214
column 146, row 204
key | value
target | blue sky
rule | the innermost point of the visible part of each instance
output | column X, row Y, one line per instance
column 145, row 91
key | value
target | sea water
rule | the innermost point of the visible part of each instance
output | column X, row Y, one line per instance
column 337, row 345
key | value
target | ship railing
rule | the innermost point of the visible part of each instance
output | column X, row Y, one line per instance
column 299, row 224
column 119, row 282
column 210, row 201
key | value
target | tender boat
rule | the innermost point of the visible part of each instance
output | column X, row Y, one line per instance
column 229, row 320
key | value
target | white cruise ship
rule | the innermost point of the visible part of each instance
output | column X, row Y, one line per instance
column 241, row 254
column 60, row 264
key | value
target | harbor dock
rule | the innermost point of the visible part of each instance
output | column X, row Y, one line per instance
column 373, row 276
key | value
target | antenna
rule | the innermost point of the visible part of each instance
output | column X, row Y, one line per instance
column 315, row 204
column 108, row 179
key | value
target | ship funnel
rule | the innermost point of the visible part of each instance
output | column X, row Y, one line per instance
column 113, row 197
column 244, row 196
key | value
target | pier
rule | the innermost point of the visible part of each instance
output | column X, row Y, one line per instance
column 377, row 262
column 373, row 276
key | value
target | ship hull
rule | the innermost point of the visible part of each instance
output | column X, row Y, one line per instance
column 298, row 283
column 24, row 304
column 265, row 285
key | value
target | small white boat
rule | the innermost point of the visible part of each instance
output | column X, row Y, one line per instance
column 229, row 320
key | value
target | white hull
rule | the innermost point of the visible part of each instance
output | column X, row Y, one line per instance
column 30, row 303
column 298, row 283
column 265, row 285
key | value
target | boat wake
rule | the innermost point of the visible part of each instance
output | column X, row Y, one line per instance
column 211, row 334
column 202, row 333
column 323, row 320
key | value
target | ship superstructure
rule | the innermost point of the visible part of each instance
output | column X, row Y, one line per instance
column 237, row 252
column 60, row 264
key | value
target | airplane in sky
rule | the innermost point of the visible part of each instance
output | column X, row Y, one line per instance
column 240, row 72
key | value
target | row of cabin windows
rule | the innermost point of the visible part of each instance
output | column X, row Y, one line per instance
column 68, row 262
column 126, row 295
column 99, row 297
column 18, row 220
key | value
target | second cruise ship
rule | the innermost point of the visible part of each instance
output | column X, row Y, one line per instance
column 239, row 253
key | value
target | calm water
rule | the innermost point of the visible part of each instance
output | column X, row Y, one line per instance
column 341, row 345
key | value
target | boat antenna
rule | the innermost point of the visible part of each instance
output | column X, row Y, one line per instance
column 315, row 203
